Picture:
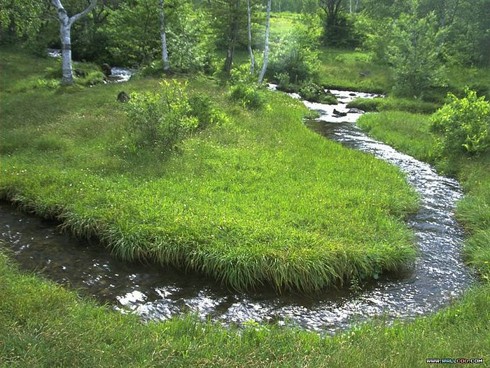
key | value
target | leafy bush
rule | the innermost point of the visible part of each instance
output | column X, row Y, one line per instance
column 206, row 112
column 314, row 93
column 414, row 57
column 161, row 119
column 464, row 124
column 248, row 94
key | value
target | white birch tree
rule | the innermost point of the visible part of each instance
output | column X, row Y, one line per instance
column 266, row 47
column 163, row 36
column 65, row 36
column 249, row 27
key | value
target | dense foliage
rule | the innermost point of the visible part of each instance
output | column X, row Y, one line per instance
column 464, row 124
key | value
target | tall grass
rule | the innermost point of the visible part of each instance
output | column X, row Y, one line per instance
column 256, row 200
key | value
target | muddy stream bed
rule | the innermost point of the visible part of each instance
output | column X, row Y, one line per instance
column 157, row 293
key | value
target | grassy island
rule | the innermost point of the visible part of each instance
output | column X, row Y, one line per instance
column 257, row 200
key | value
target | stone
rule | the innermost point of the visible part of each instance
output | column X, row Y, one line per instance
column 123, row 97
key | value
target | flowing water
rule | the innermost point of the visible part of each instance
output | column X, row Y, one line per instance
column 157, row 293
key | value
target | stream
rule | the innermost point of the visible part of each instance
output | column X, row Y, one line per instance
column 158, row 293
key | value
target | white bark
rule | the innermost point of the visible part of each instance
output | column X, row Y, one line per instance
column 266, row 47
column 163, row 36
column 65, row 36
column 250, row 51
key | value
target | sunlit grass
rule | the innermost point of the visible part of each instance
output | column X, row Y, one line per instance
column 353, row 70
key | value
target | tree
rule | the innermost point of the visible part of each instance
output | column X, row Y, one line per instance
column 413, row 54
column 163, row 36
column 65, row 36
column 338, row 29
column 234, row 28
column 266, row 46
column 230, row 24
column 20, row 18
column 249, row 28
column 332, row 9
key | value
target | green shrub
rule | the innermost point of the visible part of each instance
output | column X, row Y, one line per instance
column 206, row 111
column 464, row 124
column 314, row 93
column 249, row 95
column 161, row 119
column 296, row 56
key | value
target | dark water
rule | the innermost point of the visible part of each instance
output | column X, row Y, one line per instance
column 437, row 277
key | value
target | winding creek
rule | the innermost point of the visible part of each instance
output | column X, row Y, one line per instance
column 156, row 293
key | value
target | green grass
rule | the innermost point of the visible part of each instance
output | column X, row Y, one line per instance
column 394, row 104
column 405, row 131
column 43, row 325
column 260, row 200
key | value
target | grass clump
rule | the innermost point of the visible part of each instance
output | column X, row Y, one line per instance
column 405, row 131
column 255, row 200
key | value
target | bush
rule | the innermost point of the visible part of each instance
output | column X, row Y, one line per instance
column 161, row 119
column 314, row 93
column 464, row 124
column 206, row 112
column 249, row 95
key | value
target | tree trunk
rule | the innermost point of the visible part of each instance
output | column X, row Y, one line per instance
column 250, row 51
column 233, row 35
column 163, row 36
column 65, row 36
column 266, row 47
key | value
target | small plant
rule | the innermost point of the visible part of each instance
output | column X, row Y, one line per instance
column 163, row 119
column 464, row 125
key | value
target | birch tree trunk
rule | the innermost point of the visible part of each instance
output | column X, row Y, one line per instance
column 266, row 47
column 163, row 36
column 65, row 36
column 249, row 26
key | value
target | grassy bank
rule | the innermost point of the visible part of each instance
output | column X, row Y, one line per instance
column 257, row 200
column 43, row 325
